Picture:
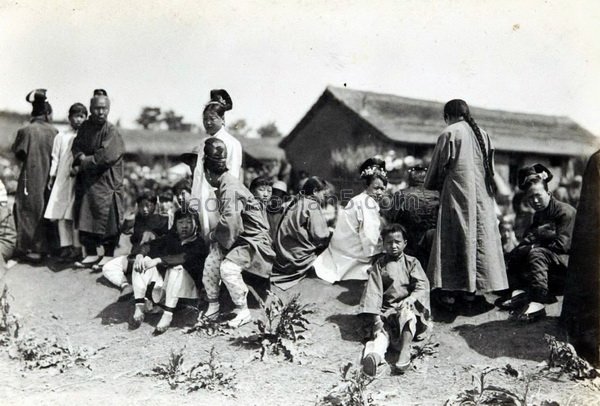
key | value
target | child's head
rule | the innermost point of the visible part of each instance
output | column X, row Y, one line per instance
column 146, row 203
column 183, row 192
column 165, row 200
column 506, row 230
column 262, row 188
column 77, row 115
column 186, row 223
column 394, row 239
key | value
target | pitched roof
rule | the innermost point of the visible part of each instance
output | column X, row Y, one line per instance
column 175, row 143
column 415, row 121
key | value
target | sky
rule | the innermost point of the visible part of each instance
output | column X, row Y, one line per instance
column 276, row 57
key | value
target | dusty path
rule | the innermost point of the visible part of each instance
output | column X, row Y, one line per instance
column 77, row 305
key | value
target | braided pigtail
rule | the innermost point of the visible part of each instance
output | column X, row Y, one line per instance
column 487, row 163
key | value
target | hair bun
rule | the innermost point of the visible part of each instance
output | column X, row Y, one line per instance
column 530, row 173
column 36, row 96
column 371, row 166
column 100, row 92
column 221, row 97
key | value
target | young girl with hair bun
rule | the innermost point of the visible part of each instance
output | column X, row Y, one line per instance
column 356, row 238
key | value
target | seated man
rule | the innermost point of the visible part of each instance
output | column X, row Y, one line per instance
column 543, row 252
column 172, row 265
column 147, row 226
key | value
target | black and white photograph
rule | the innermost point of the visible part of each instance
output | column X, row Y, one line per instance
column 301, row 202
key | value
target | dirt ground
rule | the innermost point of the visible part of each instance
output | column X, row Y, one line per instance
column 79, row 306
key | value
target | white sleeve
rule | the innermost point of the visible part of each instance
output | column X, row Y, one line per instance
column 55, row 154
column 235, row 164
column 369, row 227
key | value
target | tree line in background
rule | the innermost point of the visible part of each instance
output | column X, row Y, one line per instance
column 153, row 118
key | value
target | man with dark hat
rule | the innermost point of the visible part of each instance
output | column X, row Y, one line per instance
column 540, row 260
column 239, row 242
column 33, row 147
column 98, row 164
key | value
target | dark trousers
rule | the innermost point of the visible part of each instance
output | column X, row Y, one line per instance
column 91, row 241
column 534, row 270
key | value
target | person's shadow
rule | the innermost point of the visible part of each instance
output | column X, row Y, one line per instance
column 510, row 338
column 350, row 325
column 116, row 313
column 351, row 296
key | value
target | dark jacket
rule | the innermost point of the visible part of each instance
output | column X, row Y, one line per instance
column 552, row 228
column 170, row 249
column 98, row 149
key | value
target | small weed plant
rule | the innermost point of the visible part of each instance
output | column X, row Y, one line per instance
column 351, row 390
column 9, row 323
column 204, row 375
column 281, row 328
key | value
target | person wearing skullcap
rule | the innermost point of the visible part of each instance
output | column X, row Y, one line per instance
column 356, row 238
column 33, row 148
column 214, row 124
column 98, row 166
column 537, row 266
column 240, row 241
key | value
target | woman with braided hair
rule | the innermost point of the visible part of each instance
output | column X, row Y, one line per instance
column 467, row 252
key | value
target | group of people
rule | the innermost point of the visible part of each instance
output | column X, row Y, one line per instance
column 441, row 235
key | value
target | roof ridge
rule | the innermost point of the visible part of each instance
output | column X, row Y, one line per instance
column 420, row 102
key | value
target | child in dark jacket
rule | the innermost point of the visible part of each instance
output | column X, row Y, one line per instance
column 172, row 265
column 147, row 226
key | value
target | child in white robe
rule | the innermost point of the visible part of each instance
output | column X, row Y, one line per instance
column 62, row 186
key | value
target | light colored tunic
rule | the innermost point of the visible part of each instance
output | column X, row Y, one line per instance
column 391, row 281
column 467, row 251
column 354, row 242
column 62, row 197
column 203, row 195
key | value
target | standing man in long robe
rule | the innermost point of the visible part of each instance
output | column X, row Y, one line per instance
column 33, row 148
column 98, row 164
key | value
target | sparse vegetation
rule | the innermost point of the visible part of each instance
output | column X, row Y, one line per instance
column 9, row 323
column 351, row 391
column 43, row 353
column 564, row 357
column 208, row 328
column 280, row 329
column 209, row 375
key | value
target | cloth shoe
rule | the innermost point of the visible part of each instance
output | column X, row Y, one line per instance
column 88, row 261
column 240, row 319
column 370, row 363
column 138, row 316
column 163, row 323
column 210, row 313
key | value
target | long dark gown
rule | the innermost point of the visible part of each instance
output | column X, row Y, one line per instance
column 33, row 147
column 581, row 307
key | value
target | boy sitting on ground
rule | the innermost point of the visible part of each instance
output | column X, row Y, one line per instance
column 147, row 226
column 395, row 301
column 172, row 265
